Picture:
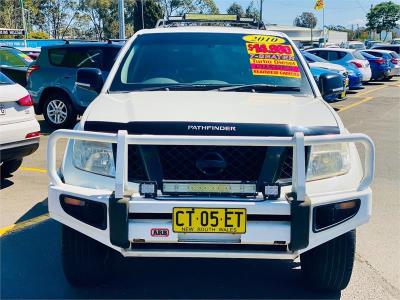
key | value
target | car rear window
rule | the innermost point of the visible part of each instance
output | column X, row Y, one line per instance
column 378, row 54
column 13, row 57
column 5, row 80
column 102, row 58
column 358, row 55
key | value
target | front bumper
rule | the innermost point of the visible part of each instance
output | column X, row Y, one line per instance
column 395, row 71
column 276, row 229
column 268, row 234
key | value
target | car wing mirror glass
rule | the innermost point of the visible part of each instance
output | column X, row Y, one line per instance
column 90, row 79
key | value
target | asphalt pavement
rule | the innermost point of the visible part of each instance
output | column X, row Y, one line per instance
column 30, row 242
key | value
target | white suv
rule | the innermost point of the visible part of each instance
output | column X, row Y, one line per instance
column 210, row 142
column 19, row 130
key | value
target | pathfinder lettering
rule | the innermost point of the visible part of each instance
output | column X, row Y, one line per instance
column 211, row 127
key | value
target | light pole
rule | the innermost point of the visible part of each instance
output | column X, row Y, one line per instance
column 23, row 21
column 141, row 1
column 261, row 9
column 121, row 19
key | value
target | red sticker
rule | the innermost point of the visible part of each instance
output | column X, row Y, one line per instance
column 159, row 232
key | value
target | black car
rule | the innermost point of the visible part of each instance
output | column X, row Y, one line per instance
column 395, row 48
column 14, row 64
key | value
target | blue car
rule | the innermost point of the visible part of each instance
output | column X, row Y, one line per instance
column 317, row 72
column 379, row 66
column 355, row 76
column 51, row 79
column 391, row 58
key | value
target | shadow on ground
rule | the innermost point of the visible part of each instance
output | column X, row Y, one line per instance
column 31, row 268
column 6, row 182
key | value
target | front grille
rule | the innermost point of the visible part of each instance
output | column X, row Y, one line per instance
column 286, row 164
column 136, row 170
column 242, row 163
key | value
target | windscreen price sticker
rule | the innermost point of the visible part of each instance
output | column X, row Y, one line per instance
column 270, row 56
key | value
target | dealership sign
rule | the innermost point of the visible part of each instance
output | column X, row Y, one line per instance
column 10, row 31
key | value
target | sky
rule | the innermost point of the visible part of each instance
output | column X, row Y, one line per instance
column 337, row 12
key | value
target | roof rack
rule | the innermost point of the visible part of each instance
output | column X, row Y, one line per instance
column 110, row 41
column 210, row 20
column 68, row 41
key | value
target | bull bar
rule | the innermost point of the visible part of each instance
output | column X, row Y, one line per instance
column 298, row 142
column 299, row 202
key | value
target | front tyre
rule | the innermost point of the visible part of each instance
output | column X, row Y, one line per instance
column 85, row 260
column 329, row 266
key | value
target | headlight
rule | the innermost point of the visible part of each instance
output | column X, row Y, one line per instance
column 328, row 161
column 94, row 157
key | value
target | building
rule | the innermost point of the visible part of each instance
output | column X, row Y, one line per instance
column 303, row 35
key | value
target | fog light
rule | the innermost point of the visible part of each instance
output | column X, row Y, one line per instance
column 72, row 201
column 148, row 189
column 87, row 211
column 272, row 192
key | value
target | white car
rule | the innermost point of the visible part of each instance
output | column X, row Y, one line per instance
column 345, row 57
column 19, row 130
column 210, row 142
column 355, row 45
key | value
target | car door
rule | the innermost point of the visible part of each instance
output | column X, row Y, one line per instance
column 102, row 58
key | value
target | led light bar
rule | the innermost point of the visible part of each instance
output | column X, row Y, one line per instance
column 209, row 188
column 196, row 17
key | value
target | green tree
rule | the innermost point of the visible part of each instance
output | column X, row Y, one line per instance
column 252, row 11
column 152, row 11
column 308, row 20
column 383, row 17
column 59, row 14
column 39, row 35
column 235, row 9
column 206, row 7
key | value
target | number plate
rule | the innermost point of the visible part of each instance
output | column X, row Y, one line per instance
column 209, row 220
column 2, row 110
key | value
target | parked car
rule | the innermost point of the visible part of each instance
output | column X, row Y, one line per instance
column 395, row 47
column 345, row 57
column 391, row 57
column 210, row 142
column 319, row 65
column 318, row 71
column 14, row 63
column 19, row 130
column 353, row 74
column 379, row 66
column 51, row 79
column 30, row 51
column 370, row 43
column 355, row 45
column 396, row 41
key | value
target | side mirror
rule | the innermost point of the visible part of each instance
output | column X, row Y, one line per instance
column 90, row 79
column 330, row 84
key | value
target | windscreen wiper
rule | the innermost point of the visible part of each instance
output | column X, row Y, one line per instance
column 177, row 87
column 259, row 87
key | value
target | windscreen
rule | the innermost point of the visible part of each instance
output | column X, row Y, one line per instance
column 209, row 59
